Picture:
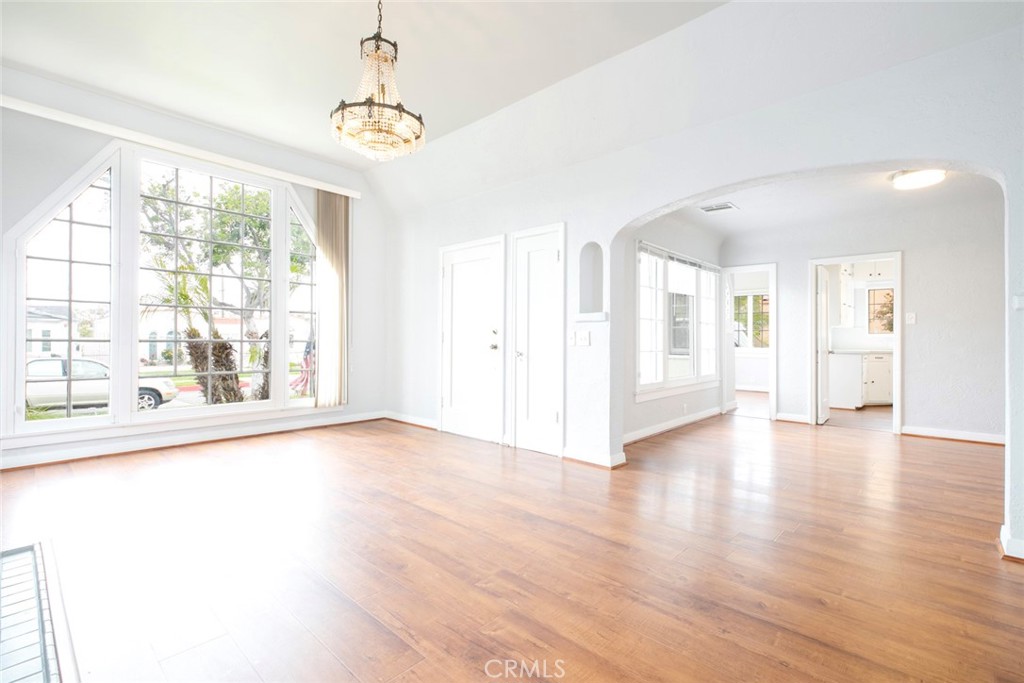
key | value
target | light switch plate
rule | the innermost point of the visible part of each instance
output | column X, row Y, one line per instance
column 911, row 318
column 583, row 338
column 571, row 339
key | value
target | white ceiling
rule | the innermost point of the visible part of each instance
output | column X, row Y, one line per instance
column 274, row 70
column 828, row 196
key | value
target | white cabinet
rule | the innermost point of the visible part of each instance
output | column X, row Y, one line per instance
column 859, row 379
column 874, row 271
column 845, row 380
column 878, row 379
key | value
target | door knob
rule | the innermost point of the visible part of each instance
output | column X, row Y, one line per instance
column 519, row 354
column 494, row 347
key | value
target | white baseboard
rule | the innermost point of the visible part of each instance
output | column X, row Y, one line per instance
column 955, row 435
column 731, row 405
column 427, row 422
column 610, row 461
column 1012, row 547
column 792, row 417
column 646, row 432
column 42, row 453
column 751, row 387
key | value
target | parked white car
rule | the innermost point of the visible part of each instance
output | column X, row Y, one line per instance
column 90, row 386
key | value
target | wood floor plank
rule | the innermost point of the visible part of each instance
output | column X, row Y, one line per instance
column 216, row 661
column 731, row 549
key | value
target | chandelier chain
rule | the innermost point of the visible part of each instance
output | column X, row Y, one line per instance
column 380, row 15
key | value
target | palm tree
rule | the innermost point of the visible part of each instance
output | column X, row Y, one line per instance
column 205, row 356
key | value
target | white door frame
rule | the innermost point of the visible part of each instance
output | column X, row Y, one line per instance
column 773, row 317
column 897, row 330
column 502, row 334
column 823, row 372
column 510, row 308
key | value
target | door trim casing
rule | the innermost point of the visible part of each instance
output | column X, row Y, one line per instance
column 897, row 330
column 773, row 317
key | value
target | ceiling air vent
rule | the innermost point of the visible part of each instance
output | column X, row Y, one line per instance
column 719, row 208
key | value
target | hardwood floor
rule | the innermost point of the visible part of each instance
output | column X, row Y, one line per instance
column 734, row 549
column 875, row 418
column 752, row 404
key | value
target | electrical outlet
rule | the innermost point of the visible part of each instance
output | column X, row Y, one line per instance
column 686, row 408
column 583, row 338
column 571, row 339
column 911, row 318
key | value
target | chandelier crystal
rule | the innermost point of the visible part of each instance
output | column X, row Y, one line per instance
column 375, row 123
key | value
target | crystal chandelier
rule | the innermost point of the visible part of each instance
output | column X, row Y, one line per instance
column 375, row 123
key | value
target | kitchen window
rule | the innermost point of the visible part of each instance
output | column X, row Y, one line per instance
column 751, row 321
column 880, row 311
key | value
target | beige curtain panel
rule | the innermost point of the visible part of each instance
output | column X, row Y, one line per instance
column 332, row 238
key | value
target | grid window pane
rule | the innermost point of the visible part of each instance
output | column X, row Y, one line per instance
column 67, row 314
column 257, row 201
column 227, row 227
column 53, row 241
column 90, row 243
column 90, row 321
column 158, row 180
column 708, row 323
column 92, row 206
column 90, row 282
column 301, row 310
column 157, row 215
column 193, row 188
column 47, row 279
column 760, row 321
column 677, row 323
column 194, row 222
column 200, row 320
column 880, row 311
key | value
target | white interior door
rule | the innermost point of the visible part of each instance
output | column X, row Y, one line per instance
column 472, row 341
column 539, row 349
column 821, row 342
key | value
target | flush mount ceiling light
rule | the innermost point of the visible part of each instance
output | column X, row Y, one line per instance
column 718, row 208
column 375, row 123
column 915, row 180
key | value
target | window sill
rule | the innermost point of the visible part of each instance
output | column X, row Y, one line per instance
column 644, row 395
column 78, row 432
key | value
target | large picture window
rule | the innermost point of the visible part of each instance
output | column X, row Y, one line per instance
column 157, row 287
column 205, row 273
column 677, row 319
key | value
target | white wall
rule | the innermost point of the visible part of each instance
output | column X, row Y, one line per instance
column 653, row 416
column 38, row 155
column 952, row 279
